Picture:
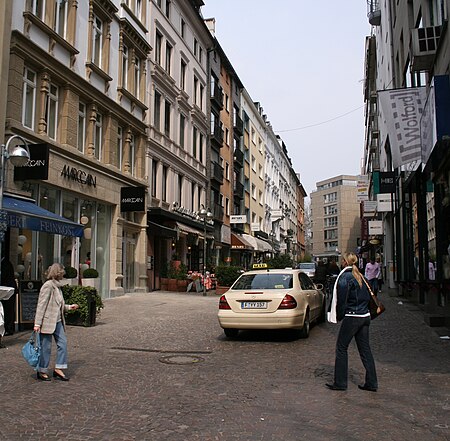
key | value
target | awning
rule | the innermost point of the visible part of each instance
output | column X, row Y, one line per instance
column 239, row 243
column 29, row 216
column 186, row 229
column 161, row 230
column 257, row 243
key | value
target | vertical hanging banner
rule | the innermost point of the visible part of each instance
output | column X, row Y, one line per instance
column 402, row 110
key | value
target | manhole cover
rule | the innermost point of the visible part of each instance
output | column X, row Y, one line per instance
column 181, row 359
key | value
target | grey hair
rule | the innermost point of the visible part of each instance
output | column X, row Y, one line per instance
column 55, row 271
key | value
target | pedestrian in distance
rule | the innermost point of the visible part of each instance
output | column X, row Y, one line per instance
column 380, row 280
column 9, row 306
column 431, row 270
column 350, row 306
column 372, row 272
column 49, row 322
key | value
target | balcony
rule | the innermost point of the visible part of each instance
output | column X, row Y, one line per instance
column 217, row 136
column 218, row 212
column 238, row 190
column 239, row 158
column 238, row 125
column 217, row 172
column 424, row 45
column 217, row 96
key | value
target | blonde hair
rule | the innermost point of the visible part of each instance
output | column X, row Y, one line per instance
column 55, row 271
column 352, row 259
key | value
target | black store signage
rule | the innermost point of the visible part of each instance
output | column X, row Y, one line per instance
column 29, row 294
column 387, row 182
column 37, row 166
column 132, row 199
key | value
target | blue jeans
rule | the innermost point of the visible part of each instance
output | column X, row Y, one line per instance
column 374, row 285
column 357, row 327
column 46, row 349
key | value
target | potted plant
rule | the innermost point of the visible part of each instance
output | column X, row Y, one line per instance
column 163, row 277
column 89, row 304
column 182, row 278
column 70, row 276
column 90, row 278
column 173, row 276
column 226, row 275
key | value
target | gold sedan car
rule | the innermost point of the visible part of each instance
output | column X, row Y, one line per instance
column 272, row 299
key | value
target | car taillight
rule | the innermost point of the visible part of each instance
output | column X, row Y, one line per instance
column 288, row 302
column 223, row 304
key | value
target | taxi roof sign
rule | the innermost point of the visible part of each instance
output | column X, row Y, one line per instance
column 259, row 265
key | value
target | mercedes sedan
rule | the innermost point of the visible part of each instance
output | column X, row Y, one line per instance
column 272, row 299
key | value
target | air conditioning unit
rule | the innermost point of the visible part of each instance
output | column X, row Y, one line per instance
column 424, row 44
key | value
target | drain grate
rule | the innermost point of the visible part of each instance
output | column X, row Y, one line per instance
column 181, row 359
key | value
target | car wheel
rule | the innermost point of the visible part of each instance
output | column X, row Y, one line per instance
column 231, row 332
column 304, row 333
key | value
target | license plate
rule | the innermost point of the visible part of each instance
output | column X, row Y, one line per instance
column 253, row 305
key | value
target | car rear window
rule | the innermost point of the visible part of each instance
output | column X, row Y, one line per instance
column 307, row 266
column 264, row 281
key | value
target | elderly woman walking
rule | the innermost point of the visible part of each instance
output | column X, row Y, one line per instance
column 49, row 321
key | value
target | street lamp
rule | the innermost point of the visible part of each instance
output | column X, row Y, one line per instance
column 205, row 215
column 19, row 156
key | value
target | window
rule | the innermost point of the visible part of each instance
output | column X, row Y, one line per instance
column 227, row 136
column 331, row 197
column 124, row 66
column 195, row 91
column 138, row 11
column 183, row 75
column 168, row 57
column 226, row 103
column 195, row 47
column 260, row 197
column 254, row 191
column 200, row 55
column 183, row 28
column 227, row 171
column 202, row 94
column 137, row 77
column 253, row 163
column 98, row 136
column 61, row 8
column 260, row 145
column 200, row 146
column 51, row 116
column 167, row 111
column 194, row 142
column 165, row 173
column 180, row 189
column 227, row 206
column 154, row 177
column 182, row 129
column 131, row 153
column 261, row 171
column 157, row 111
column 81, row 126
column 158, row 48
column 97, row 41
column 29, row 98
column 119, row 151
column 38, row 8
column 159, row 3
column 168, row 8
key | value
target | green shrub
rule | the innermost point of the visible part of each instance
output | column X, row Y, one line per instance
column 90, row 273
column 281, row 261
column 226, row 275
column 80, row 295
column 70, row 272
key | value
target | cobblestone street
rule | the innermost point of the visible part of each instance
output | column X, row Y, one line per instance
column 157, row 367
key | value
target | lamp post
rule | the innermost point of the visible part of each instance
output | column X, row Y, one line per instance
column 19, row 156
column 205, row 215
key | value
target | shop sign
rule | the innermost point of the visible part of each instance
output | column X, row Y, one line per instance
column 132, row 199
column 238, row 219
column 370, row 207
column 384, row 202
column 37, row 165
column 74, row 174
column 375, row 228
column 363, row 188
column 387, row 182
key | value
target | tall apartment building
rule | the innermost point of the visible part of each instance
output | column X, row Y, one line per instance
column 80, row 104
column 335, row 214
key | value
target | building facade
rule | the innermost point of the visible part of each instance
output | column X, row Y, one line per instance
column 336, row 217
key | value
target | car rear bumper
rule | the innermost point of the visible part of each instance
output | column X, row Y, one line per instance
column 278, row 320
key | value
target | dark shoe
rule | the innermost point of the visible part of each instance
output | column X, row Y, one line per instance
column 334, row 387
column 364, row 387
column 59, row 376
column 43, row 377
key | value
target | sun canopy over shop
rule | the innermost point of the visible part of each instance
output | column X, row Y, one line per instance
column 27, row 215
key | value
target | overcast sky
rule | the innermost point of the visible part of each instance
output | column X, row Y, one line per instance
column 304, row 62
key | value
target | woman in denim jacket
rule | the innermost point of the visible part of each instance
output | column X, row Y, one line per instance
column 350, row 304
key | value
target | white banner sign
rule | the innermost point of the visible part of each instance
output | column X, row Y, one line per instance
column 375, row 228
column 370, row 207
column 238, row 219
column 363, row 188
column 402, row 110
column 384, row 202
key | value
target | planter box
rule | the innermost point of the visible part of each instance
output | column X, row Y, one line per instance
column 172, row 286
column 164, row 284
column 182, row 285
column 70, row 281
column 95, row 283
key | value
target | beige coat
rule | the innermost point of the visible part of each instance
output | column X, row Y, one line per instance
column 49, row 303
